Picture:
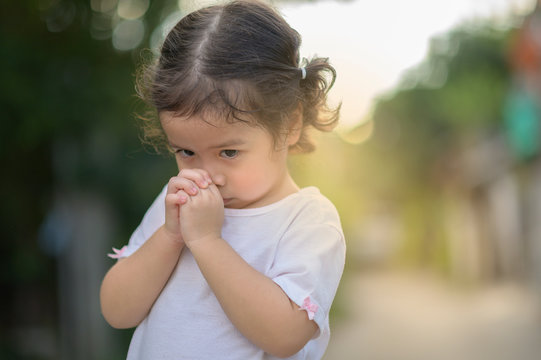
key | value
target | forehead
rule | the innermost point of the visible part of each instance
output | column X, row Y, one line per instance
column 204, row 97
column 198, row 130
column 206, row 121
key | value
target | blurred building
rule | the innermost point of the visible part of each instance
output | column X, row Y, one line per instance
column 498, row 206
column 524, row 134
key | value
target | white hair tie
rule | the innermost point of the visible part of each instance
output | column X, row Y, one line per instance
column 303, row 73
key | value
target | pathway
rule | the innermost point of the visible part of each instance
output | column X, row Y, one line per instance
column 396, row 316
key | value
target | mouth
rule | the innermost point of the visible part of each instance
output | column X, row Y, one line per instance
column 227, row 200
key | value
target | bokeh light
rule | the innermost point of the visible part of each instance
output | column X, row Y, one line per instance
column 128, row 34
column 132, row 9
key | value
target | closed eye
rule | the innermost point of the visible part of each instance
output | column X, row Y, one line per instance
column 229, row 154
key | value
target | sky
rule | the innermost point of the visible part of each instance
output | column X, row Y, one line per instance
column 371, row 43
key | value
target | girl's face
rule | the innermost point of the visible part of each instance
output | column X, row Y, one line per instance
column 242, row 160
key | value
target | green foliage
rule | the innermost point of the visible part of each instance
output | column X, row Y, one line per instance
column 68, row 125
column 456, row 92
column 453, row 97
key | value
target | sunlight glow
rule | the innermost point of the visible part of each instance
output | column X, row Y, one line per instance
column 371, row 43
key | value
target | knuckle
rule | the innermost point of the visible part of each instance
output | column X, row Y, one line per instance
column 172, row 182
column 185, row 172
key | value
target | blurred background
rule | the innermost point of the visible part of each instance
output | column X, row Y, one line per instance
column 435, row 170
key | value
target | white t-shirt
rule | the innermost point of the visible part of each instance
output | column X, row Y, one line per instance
column 297, row 242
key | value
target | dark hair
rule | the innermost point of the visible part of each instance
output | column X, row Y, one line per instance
column 240, row 60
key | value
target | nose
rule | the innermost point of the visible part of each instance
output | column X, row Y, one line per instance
column 215, row 172
column 218, row 179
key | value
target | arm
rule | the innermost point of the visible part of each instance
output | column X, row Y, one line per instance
column 132, row 285
column 256, row 305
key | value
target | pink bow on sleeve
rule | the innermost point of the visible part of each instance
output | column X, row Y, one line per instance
column 310, row 307
column 117, row 253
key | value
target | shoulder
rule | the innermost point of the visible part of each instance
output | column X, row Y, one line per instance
column 316, row 206
column 313, row 216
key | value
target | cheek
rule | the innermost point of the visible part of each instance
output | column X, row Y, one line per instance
column 247, row 179
column 187, row 163
column 250, row 178
column 182, row 165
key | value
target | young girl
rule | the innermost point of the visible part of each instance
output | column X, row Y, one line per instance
column 232, row 260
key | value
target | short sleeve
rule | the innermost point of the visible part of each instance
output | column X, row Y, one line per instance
column 153, row 219
column 309, row 263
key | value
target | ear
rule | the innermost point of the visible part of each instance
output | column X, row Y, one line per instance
column 295, row 126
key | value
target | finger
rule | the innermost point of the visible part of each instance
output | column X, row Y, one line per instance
column 172, row 203
column 216, row 193
column 183, row 197
column 179, row 183
column 176, row 199
column 199, row 176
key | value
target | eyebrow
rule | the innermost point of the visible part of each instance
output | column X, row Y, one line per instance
column 174, row 146
column 229, row 143
column 225, row 144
